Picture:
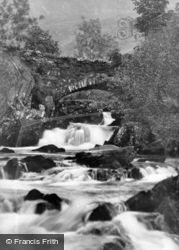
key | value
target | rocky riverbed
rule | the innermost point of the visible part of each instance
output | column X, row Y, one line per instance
column 103, row 198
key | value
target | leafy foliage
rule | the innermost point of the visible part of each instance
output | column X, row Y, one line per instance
column 148, row 82
column 18, row 29
column 152, row 14
column 40, row 40
column 14, row 21
column 91, row 44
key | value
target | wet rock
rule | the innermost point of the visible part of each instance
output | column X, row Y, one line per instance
column 135, row 173
column 7, row 150
column 50, row 149
column 117, row 245
column 163, row 198
column 113, row 159
column 122, row 137
column 103, row 212
column 14, row 169
column 139, row 136
column 52, row 201
column 110, row 174
column 38, row 163
column 34, row 194
column 42, row 207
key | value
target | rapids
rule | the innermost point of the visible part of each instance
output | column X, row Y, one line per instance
column 81, row 193
column 79, row 135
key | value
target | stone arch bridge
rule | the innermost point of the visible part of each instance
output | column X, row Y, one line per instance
column 61, row 76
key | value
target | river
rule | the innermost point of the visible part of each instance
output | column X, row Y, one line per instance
column 81, row 193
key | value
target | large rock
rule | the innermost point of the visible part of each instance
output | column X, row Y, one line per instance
column 163, row 198
column 38, row 163
column 110, row 174
column 123, row 137
column 103, row 212
column 113, row 159
column 7, row 150
column 14, row 169
column 139, row 136
column 50, row 149
column 51, row 201
column 118, row 245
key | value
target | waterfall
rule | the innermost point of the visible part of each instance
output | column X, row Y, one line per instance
column 79, row 135
column 107, row 118
column 2, row 173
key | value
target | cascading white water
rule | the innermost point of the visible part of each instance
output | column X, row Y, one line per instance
column 79, row 135
column 107, row 118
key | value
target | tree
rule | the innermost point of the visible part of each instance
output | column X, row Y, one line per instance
column 91, row 44
column 147, row 84
column 115, row 57
column 38, row 39
column 14, row 21
column 152, row 14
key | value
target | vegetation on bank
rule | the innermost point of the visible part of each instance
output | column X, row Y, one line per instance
column 143, row 85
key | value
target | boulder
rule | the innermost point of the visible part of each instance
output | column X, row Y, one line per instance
column 114, row 246
column 122, row 137
column 113, row 159
column 51, row 201
column 163, row 198
column 139, row 136
column 38, row 163
column 33, row 195
column 50, row 149
column 41, row 207
column 110, row 174
column 103, row 212
column 7, row 150
column 14, row 169
column 135, row 173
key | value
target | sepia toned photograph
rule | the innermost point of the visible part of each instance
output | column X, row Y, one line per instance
column 89, row 124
